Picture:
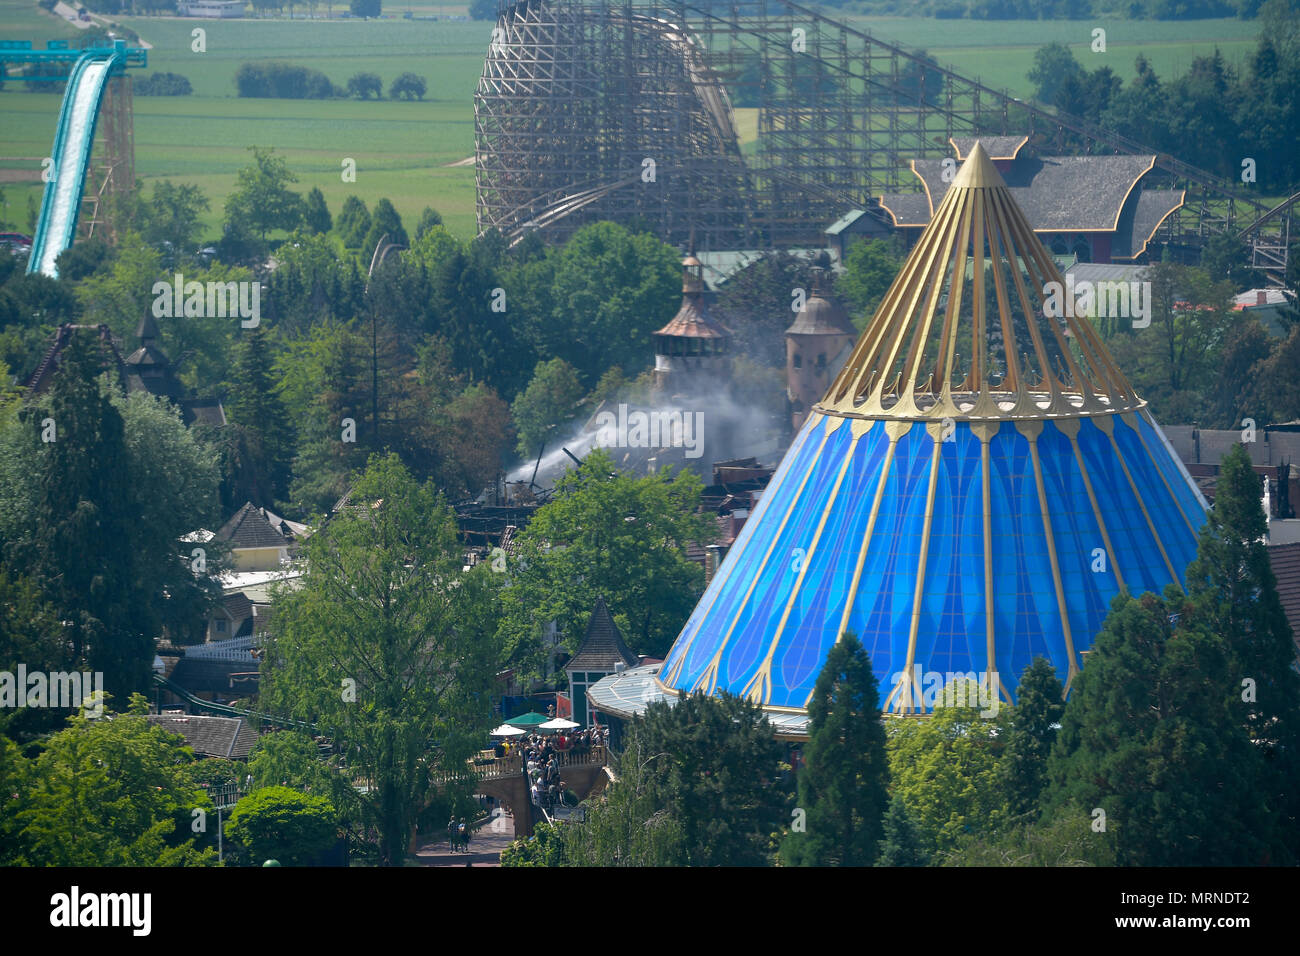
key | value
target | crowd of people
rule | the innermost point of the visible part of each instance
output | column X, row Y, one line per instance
column 544, row 755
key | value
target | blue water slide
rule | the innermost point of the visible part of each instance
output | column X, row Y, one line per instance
column 73, row 142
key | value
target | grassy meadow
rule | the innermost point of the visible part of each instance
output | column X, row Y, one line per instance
column 404, row 151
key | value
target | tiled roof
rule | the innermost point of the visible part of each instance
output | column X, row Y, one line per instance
column 998, row 147
column 237, row 605
column 603, row 646
column 1057, row 193
column 1285, row 559
column 250, row 528
column 210, row 736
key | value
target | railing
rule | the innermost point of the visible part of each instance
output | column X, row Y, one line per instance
column 511, row 766
column 231, row 649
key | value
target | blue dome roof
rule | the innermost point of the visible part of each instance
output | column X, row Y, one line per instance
column 957, row 520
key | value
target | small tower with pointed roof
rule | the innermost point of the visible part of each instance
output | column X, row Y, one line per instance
column 692, row 352
column 602, row 653
column 817, row 345
column 148, row 368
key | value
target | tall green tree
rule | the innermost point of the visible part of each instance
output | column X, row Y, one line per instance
column 387, row 647
column 384, row 221
column 260, row 417
column 869, row 269
column 316, row 214
column 1035, row 720
column 550, row 401
column 720, row 777
column 173, row 216
column 354, row 223
column 262, row 199
column 428, row 219
column 606, row 532
column 612, row 290
column 945, row 769
column 899, row 843
column 843, row 784
column 72, row 474
column 1148, row 740
column 1233, row 589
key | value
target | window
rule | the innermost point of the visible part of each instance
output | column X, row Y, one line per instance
column 821, row 360
column 798, row 360
column 221, row 625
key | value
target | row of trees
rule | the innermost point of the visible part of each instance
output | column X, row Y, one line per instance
column 405, row 87
column 1213, row 116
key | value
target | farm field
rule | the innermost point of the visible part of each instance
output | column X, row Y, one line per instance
column 403, row 150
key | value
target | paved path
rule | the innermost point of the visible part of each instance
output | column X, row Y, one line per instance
column 484, row 848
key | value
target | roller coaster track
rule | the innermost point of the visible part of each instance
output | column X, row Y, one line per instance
column 226, row 710
column 74, row 141
column 839, row 119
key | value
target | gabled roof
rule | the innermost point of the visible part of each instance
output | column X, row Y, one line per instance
column 227, row 737
column 110, row 357
column 250, row 528
column 602, row 648
column 998, row 147
column 1057, row 193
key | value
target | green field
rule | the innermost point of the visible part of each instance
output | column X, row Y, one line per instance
column 403, row 150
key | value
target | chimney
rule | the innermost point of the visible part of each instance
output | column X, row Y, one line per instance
column 712, row 559
column 1261, row 297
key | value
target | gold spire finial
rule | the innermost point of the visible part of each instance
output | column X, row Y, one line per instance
column 978, row 276
column 978, row 172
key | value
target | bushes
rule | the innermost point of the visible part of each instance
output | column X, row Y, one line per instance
column 365, row 85
column 406, row 86
column 282, row 81
column 163, row 84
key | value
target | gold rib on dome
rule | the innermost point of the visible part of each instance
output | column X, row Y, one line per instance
column 964, row 331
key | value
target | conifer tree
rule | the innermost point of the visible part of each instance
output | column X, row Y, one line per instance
column 842, row 785
column 316, row 217
column 1034, row 723
column 1234, row 593
column 899, row 845
column 81, row 519
column 259, row 415
column 1149, row 747
column 354, row 222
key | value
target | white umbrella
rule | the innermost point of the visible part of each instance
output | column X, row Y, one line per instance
column 505, row 730
column 559, row 723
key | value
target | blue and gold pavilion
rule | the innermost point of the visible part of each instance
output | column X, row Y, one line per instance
column 975, row 487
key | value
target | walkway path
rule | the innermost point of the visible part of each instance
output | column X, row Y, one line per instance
column 484, row 848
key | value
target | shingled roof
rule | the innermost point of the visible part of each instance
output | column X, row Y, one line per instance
column 602, row 648
column 227, row 737
column 1056, row 193
column 251, row 528
column 1285, row 559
